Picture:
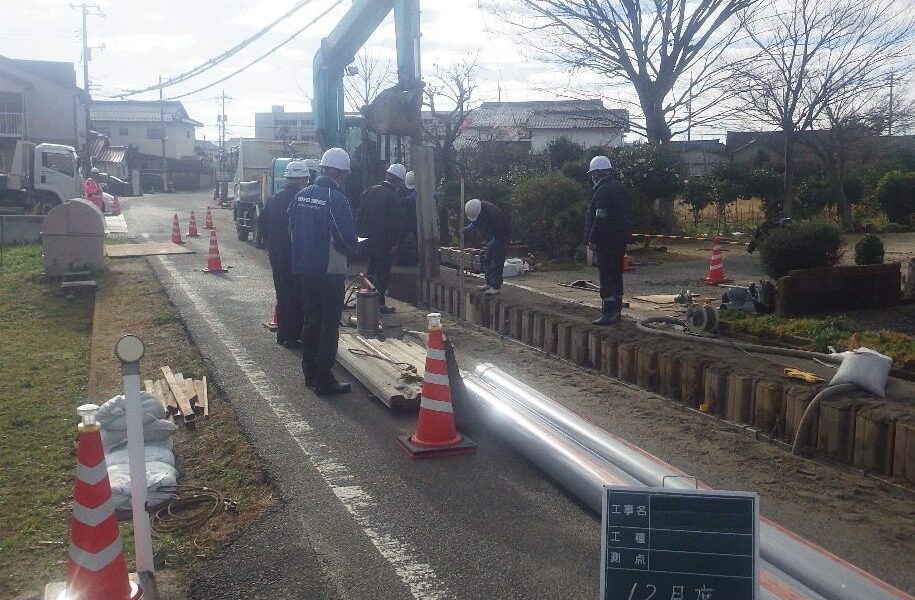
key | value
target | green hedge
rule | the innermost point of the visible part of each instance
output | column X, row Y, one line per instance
column 803, row 245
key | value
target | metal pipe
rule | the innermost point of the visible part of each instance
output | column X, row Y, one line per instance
column 818, row 569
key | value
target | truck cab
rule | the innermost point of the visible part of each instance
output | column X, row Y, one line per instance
column 40, row 177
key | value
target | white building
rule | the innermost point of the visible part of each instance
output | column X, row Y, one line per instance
column 139, row 124
column 586, row 122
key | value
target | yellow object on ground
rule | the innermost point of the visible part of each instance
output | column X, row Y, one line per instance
column 803, row 375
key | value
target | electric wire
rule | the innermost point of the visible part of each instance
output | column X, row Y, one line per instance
column 261, row 57
column 190, row 510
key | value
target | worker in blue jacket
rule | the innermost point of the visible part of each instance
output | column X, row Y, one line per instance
column 491, row 223
column 323, row 236
column 607, row 230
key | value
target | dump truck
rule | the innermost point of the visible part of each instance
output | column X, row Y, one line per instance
column 39, row 177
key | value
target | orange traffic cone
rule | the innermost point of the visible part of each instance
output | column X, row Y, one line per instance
column 192, row 226
column 214, row 263
column 436, row 433
column 208, row 222
column 116, row 206
column 176, row 231
column 627, row 265
column 97, row 568
column 716, row 265
column 271, row 325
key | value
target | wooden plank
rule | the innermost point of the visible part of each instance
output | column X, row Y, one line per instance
column 181, row 396
column 165, row 396
column 647, row 374
column 205, row 396
column 904, row 450
column 148, row 385
column 146, row 249
column 381, row 378
column 669, row 376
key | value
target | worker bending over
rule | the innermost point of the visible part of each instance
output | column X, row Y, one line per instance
column 380, row 220
column 606, row 234
column 492, row 224
column 273, row 225
column 323, row 236
column 93, row 190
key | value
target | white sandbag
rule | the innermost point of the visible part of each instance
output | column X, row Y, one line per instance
column 120, row 423
column 866, row 368
column 514, row 267
column 152, row 454
column 156, row 431
column 116, row 408
column 158, row 475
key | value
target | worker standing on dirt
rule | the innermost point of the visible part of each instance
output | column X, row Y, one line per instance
column 492, row 224
column 607, row 230
column 273, row 225
column 323, row 236
column 380, row 222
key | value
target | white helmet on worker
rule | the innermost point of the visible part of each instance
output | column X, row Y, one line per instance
column 398, row 170
column 472, row 209
column 311, row 164
column 599, row 163
column 336, row 158
column 410, row 180
column 296, row 169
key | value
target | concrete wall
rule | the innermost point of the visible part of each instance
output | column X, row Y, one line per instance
column 587, row 138
column 180, row 142
column 52, row 114
column 20, row 229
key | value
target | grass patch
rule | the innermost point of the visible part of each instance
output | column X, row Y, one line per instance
column 44, row 351
column 840, row 332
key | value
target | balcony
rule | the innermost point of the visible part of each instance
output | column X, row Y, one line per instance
column 10, row 124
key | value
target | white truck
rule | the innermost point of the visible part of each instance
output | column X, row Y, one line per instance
column 254, row 165
column 40, row 177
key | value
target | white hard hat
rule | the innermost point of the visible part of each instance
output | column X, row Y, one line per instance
column 599, row 163
column 472, row 209
column 311, row 164
column 397, row 170
column 336, row 158
column 410, row 180
column 296, row 169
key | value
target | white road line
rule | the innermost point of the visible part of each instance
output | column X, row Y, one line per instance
column 419, row 577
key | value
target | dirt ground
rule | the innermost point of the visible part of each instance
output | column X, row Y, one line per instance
column 860, row 519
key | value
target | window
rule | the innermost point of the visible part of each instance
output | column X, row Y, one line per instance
column 154, row 133
column 188, row 134
column 123, row 131
column 10, row 102
column 62, row 163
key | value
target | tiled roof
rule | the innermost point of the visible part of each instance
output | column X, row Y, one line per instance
column 548, row 114
column 136, row 111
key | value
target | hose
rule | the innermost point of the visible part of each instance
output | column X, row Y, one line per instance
column 642, row 325
column 826, row 392
column 193, row 507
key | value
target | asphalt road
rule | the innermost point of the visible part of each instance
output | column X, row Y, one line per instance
column 357, row 518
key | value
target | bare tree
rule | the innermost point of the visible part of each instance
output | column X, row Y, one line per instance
column 668, row 50
column 815, row 56
column 370, row 76
column 449, row 96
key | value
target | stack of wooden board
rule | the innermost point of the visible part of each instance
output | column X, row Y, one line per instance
column 184, row 398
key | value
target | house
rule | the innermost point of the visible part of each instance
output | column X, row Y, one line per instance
column 537, row 123
column 107, row 158
column 699, row 157
column 288, row 127
column 39, row 102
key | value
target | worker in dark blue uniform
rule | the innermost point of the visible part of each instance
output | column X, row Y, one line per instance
column 491, row 223
column 323, row 236
column 273, row 225
column 607, row 230
column 381, row 222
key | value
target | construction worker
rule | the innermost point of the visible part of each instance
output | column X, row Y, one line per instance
column 313, row 168
column 273, row 225
column 380, row 222
column 606, row 234
column 93, row 190
column 492, row 224
column 323, row 236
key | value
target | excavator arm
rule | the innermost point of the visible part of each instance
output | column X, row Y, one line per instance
column 339, row 50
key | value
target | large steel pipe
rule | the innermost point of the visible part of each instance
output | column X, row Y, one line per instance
column 816, row 568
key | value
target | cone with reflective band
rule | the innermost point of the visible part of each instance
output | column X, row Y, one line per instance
column 208, row 221
column 436, row 432
column 272, row 324
column 97, row 570
column 176, row 231
column 716, row 265
column 214, row 263
column 192, row 226
column 627, row 265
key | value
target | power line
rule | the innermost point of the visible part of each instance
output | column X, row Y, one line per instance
column 261, row 57
column 218, row 59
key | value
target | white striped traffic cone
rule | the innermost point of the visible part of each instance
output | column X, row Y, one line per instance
column 214, row 262
column 716, row 265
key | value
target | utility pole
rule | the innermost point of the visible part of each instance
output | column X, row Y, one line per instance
column 85, row 8
column 689, row 110
column 222, row 182
column 162, row 134
column 890, row 116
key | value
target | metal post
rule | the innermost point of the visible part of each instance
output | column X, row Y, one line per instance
column 129, row 350
column 463, row 308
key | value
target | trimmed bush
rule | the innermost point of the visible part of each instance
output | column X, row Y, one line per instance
column 804, row 245
column 869, row 250
column 896, row 195
column 548, row 214
column 895, row 228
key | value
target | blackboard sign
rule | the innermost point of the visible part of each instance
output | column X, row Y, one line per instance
column 672, row 544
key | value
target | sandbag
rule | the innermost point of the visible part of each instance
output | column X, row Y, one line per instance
column 116, row 408
column 158, row 475
column 151, row 454
column 156, row 431
column 866, row 368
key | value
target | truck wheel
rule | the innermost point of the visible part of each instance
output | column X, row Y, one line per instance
column 44, row 202
column 242, row 233
column 258, row 238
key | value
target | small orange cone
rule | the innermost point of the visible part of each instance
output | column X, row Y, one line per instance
column 97, row 569
column 436, row 433
column 627, row 265
column 716, row 265
column 214, row 263
column 271, row 325
column 176, row 231
column 208, row 222
column 192, row 226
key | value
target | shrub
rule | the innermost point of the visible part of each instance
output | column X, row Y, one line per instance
column 563, row 150
column 869, row 250
column 548, row 214
column 814, row 194
column 697, row 194
column 896, row 194
column 803, row 245
column 895, row 228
